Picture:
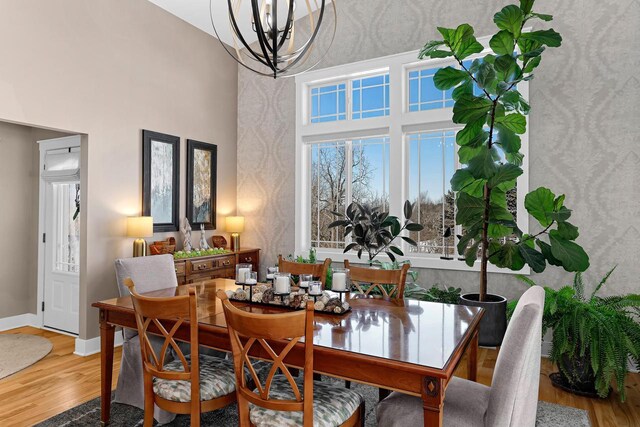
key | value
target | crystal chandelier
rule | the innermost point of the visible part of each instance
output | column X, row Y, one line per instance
column 277, row 52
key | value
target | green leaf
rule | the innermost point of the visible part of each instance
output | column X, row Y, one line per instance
column 448, row 77
column 502, row 43
column 466, row 153
column 477, row 140
column 568, row 231
column 509, row 18
column 486, row 75
column 431, row 48
column 542, row 16
column 545, row 37
column 514, row 158
column 506, row 255
column 561, row 215
column 470, row 234
column 470, row 108
column 469, row 132
column 446, row 33
column 539, row 204
column 533, row 258
column 461, row 178
column 470, row 210
column 572, row 256
column 415, row 227
column 505, row 65
column 463, row 43
column 515, row 122
column 505, row 173
column 466, row 88
column 408, row 209
column 471, row 254
column 483, row 166
column 546, row 251
column 508, row 140
column 396, row 250
column 409, row 240
column 526, row 6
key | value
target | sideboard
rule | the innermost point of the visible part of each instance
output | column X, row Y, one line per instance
column 208, row 267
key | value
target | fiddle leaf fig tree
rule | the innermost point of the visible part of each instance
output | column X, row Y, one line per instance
column 493, row 112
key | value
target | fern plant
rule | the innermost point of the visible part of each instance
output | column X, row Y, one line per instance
column 595, row 335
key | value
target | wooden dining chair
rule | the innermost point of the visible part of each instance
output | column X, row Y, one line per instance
column 389, row 282
column 318, row 271
column 282, row 399
column 190, row 384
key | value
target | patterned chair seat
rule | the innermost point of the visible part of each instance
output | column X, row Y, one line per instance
column 217, row 379
column 332, row 405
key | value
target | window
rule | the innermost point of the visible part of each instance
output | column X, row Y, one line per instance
column 423, row 94
column 432, row 164
column 342, row 172
column 370, row 97
column 391, row 139
column 328, row 103
column 67, row 229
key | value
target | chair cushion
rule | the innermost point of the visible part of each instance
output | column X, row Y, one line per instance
column 465, row 405
column 217, row 379
column 332, row 405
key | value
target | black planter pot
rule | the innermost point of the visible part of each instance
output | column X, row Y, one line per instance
column 494, row 322
column 583, row 379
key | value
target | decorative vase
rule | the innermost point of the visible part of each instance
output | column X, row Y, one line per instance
column 494, row 322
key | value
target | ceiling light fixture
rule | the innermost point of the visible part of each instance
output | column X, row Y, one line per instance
column 277, row 52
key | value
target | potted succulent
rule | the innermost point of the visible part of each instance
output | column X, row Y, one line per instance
column 493, row 112
column 594, row 338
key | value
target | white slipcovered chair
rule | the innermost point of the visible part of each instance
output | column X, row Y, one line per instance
column 512, row 399
column 149, row 274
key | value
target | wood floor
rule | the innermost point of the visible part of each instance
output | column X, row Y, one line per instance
column 62, row 380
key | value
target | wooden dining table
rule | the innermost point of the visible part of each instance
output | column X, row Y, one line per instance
column 407, row 345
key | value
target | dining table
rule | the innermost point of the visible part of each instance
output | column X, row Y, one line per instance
column 404, row 345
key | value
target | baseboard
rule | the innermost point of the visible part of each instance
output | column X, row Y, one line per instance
column 27, row 319
column 92, row 346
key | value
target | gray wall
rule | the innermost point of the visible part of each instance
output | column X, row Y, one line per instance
column 108, row 69
column 584, row 134
column 19, row 216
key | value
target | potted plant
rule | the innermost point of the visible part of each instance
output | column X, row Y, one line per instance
column 594, row 338
column 493, row 113
column 374, row 232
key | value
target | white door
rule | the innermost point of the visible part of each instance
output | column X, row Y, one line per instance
column 62, row 256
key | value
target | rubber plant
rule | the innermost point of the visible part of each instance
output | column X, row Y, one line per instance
column 493, row 112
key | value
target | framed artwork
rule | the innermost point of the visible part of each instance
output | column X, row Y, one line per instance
column 201, row 183
column 161, row 180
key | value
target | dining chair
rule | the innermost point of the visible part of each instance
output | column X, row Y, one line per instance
column 318, row 271
column 283, row 399
column 149, row 273
column 512, row 399
column 190, row 384
column 390, row 283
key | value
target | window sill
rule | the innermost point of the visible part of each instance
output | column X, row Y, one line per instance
column 418, row 262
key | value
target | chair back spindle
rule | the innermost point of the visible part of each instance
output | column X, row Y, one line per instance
column 379, row 279
column 318, row 271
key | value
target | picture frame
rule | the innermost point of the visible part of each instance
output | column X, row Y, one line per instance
column 161, row 180
column 202, row 167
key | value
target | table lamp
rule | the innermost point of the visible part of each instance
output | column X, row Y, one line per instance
column 139, row 227
column 235, row 226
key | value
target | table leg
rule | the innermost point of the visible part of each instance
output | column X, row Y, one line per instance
column 107, row 333
column 472, row 358
column 433, row 401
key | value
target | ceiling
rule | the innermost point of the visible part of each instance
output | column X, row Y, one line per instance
column 196, row 12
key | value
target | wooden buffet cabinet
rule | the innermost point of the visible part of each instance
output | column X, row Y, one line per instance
column 208, row 267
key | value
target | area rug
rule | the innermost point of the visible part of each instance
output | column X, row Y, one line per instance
column 88, row 414
column 19, row 351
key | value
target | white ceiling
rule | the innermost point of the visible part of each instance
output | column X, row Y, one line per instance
column 196, row 12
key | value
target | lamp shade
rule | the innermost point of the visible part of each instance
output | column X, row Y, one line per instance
column 140, row 226
column 235, row 224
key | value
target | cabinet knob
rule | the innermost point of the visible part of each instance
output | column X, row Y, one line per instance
column 227, row 262
column 248, row 259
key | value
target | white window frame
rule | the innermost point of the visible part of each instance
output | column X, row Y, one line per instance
column 396, row 126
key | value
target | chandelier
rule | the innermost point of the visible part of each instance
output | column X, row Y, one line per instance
column 277, row 51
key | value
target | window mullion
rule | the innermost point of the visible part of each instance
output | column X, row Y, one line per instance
column 348, row 147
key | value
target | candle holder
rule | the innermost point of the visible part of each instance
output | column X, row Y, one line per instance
column 315, row 290
column 341, row 281
column 271, row 271
column 304, row 281
column 242, row 270
column 342, row 293
column 281, row 283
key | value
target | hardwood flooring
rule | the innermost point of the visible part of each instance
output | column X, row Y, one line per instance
column 63, row 380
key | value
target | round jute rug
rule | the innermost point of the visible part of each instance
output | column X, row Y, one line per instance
column 19, row 351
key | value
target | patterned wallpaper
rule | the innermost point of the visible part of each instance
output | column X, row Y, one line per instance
column 583, row 141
